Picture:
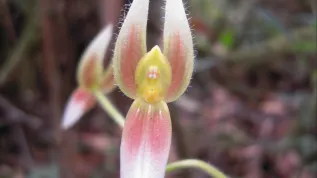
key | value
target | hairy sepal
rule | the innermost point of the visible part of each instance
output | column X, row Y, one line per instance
column 178, row 48
column 130, row 47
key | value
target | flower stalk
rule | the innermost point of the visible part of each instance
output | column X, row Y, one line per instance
column 109, row 108
column 194, row 163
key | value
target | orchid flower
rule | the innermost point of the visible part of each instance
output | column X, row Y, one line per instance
column 152, row 79
column 91, row 77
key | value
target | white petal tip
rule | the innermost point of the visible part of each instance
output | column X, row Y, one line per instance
column 73, row 113
column 100, row 43
column 79, row 103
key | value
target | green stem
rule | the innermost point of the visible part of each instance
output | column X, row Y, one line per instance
column 193, row 163
column 110, row 108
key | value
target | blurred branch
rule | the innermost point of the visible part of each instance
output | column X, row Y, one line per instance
column 28, row 39
column 314, row 7
column 6, row 17
column 265, row 51
column 58, row 50
column 17, row 116
column 110, row 11
column 26, row 157
column 50, row 61
column 314, row 95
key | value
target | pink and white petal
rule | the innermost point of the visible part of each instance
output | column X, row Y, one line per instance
column 146, row 141
column 178, row 48
column 91, row 63
column 130, row 46
column 78, row 104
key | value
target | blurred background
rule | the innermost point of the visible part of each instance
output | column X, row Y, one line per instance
column 251, row 108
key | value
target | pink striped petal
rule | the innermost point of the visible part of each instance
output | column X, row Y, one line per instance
column 178, row 48
column 90, row 69
column 146, row 141
column 78, row 104
column 130, row 46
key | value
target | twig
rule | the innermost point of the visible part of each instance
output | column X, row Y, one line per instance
column 26, row 157
column 314, row 7
column 17, row 116
column 110, row 11
column 28, row 39
column 50, row 63
column 314, row 95
column 5, row 14
column 56, row 48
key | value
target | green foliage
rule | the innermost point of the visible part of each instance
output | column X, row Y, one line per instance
column 304, row 46
column 227, row 38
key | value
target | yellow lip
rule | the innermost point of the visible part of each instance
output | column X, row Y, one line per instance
column 153, row 76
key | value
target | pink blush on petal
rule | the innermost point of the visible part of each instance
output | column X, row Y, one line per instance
column 133, row 131
column 84, row 97
column 130, row 55
column 146, row 141
column 177, row 59
column 159, row 130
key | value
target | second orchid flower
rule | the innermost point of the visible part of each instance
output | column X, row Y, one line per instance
column 91, row 77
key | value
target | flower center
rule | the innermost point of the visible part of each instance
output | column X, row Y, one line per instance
column 153, row 76
column 152, row 91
